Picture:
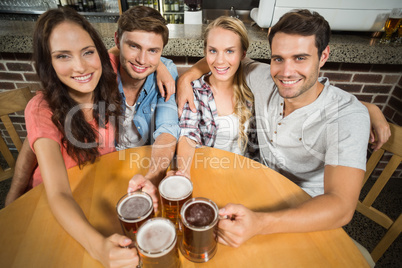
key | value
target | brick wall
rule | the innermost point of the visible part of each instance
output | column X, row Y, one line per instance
column 379, row 84
column 375, row 83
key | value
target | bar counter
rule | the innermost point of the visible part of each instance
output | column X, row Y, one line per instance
column 187, row 40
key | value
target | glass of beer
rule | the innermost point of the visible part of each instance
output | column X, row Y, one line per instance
column 174, row 192
column 133, row 209
column 199, row 218
column 399, row 37
column 391, row 25
column 156, row 244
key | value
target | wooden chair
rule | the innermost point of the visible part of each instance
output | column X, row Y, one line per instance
column 10, row 102
column 394, row 146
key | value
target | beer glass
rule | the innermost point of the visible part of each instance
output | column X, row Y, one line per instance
column 174, row 192
column 391, row 25
column 156, row 244
column 199, row 218
column 399, row 37
column 133, row 209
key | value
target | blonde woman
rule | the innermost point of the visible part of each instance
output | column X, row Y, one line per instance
column 223, row 101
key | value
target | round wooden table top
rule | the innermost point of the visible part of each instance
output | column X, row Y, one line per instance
column 31, row 237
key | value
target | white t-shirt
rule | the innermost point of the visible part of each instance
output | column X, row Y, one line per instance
column 332, row 130
column 129, row 137
column 228, row 133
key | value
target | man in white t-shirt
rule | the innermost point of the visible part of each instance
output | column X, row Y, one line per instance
column 313, row 133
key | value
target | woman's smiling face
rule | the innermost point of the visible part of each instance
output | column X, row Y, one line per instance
column 75, row 59
column 223, row 53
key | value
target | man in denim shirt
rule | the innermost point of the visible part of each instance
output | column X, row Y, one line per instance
column 152, row 113
column 149, row 118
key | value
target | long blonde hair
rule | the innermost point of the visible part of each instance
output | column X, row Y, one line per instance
column 244, row 99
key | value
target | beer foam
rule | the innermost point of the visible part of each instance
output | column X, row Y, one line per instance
column 200, row 214
column 135, row 207
column 175, row 187
column 156, row 237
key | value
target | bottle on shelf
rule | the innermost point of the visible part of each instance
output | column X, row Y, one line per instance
column 166, row 6
column 85, row 5
column 175, row 5
column 156, row 5
column 99, row 6
column 79, row 5
column 91, row 6
column 181, row 5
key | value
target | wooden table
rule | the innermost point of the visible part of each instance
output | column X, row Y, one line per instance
column 31, row 237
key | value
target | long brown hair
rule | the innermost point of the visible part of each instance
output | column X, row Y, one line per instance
column 243, row 96
column 56, row 93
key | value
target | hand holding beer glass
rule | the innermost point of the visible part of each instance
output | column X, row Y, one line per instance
column 139, row 182
column 391, row 25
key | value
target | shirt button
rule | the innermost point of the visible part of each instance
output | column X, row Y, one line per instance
column 281, row 104
column 275, row 132
column 138, row 103
column 139, row 127
column 280, row 114
column 272, row 141
column 300, row 139
column 152, row 109
column 279, row 124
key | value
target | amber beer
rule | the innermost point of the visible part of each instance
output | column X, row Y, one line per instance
column 174, row 192
column 199, row 218
column 391, row 24
column 156, row 244
column 133, row 209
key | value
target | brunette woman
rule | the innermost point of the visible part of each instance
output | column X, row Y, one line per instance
column 70, row 122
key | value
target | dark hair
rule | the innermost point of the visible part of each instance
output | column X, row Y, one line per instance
column 145, row 19
column 306, row 23
column 56, row 93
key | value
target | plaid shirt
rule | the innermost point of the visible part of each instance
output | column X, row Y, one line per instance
column 201, row 126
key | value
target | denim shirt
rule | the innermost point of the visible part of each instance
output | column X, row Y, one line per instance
column 152, row 113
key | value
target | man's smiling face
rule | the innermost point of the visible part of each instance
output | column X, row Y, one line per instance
column 295, row 65
column 140, row 53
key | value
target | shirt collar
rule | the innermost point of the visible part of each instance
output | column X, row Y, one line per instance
column 119, row 83
column 149, row 84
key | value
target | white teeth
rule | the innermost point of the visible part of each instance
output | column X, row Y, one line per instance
column 221, row 69
column 139, row 67
column 82, row 78
column 290, row 82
